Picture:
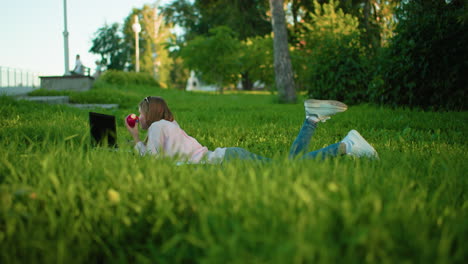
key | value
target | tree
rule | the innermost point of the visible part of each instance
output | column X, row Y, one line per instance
column 145, row 38
column 283, row 67
column 331, row 63
column 245, row 17
column 256, row 61
column 155, row 33
column 162, row 62
column 426, row 62
column 376, row 19
column 109, row 43
column 215, row 57
column 184, row 14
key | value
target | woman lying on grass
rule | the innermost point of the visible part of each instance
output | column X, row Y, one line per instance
column 166, row 138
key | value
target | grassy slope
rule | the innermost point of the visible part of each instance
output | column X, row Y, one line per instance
column 63, row 202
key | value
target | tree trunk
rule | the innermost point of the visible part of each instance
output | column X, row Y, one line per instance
column 366, row 24
column 220, row 88
column 246, row 82
column 283, row 69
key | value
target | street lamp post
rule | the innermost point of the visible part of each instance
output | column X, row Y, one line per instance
column 136, row 28
column 65, row 38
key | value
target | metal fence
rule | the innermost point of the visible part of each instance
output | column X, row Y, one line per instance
column 11, row 77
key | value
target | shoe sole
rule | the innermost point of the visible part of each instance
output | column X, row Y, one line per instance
column 355, row 136
column 330, row 104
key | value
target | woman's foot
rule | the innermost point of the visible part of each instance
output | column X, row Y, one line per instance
column 357, row 146
column 321, row 110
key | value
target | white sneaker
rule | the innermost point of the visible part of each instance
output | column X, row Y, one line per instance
column 357, row 146
column 321, row 110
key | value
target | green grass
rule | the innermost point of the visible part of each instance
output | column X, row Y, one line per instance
column 64, row 202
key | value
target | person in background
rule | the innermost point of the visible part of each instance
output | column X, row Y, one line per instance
column 165, row 138
column 78, row 70
column 98, row 70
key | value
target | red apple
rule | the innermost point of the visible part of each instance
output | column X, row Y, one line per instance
column 132, row 119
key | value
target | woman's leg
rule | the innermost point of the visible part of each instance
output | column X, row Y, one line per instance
column 316, row 111
column 235, row 153
column 333, row 150
column 302, row 140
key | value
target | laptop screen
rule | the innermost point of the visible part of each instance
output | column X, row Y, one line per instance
column 103, row 130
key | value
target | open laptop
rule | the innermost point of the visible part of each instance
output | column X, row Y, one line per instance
column 103, row 130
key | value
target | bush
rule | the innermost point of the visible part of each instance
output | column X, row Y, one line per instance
column 128, row 78
column 332, row 63
column 426, row 63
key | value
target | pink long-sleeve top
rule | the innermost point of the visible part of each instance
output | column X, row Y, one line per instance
column 167, row 139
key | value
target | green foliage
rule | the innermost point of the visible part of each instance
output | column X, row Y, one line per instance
column 426, row 63
column 64, row 202
column 145, row 38
column 215, row 57
column 331, row 64
column 376, row 19
column 178, row 74
column 164, row 64
column 246, row 17
column 184, row 14
column 109, row 43
column 116, row 45
column 256, row 58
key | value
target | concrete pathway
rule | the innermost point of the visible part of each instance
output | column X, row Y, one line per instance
column 45, row 99
column 87, row 106
column 20, row 93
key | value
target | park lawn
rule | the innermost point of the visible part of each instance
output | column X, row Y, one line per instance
column 62, row 201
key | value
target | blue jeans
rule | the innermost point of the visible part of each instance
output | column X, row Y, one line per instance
column 298, row 147
column 235, row 153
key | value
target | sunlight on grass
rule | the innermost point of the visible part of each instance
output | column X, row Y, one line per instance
column 63, row 201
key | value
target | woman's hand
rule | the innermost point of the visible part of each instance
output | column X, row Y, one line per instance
column 133, row 131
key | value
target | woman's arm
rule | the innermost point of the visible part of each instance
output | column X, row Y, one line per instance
column 139, row 146
column 154, row 140
column 133, row 132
